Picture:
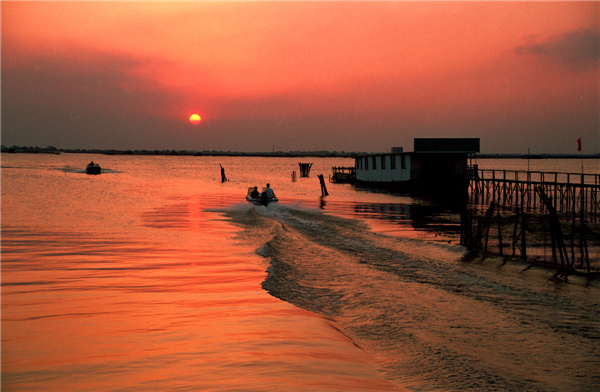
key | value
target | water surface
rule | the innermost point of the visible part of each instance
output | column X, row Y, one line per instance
column 156, row 276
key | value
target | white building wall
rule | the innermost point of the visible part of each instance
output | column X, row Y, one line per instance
column 379, row 174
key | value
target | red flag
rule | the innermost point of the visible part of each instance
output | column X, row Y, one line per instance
column 579, row 144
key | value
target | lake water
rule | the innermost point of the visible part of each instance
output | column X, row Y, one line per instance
column 156, row 276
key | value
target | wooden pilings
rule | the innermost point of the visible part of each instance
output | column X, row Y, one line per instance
column 323, row 187
column 524, row 213
column 517, row 189
column 304, row 169
column 343, row 174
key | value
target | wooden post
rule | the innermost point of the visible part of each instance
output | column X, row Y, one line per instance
column 514, row 236
column 486, row 223
column 553, row 241
column 555, row 185
column 500, row 233
column 524, row 236
column 223, row 177
column 584, row 254
column 556, row 231
column 478, row 242
column 323, row 187
column 463, row 228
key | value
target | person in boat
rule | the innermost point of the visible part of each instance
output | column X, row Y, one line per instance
column 254, row 193
column 268, row 192
column 91, row 164
column 267, row 195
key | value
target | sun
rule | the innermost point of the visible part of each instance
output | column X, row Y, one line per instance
column 195, row 119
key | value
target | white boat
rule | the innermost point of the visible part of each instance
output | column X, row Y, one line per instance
column 259, row 199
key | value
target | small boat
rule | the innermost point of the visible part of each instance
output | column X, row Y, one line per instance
column 259, row 199
column 93, row 168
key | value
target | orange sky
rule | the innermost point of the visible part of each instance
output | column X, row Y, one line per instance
column 352, row 76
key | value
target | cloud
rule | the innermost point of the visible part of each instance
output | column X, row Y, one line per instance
column 83, row 98
column 578, row 49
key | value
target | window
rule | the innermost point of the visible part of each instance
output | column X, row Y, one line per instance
column 366, row 163
column 374, row 163
column 403, row 161
column 383, row 162
column 393, row 162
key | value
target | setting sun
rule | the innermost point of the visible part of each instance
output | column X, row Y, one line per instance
column 195, row 119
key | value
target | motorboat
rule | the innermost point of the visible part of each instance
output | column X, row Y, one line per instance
column 259, row 199
column 93, row 168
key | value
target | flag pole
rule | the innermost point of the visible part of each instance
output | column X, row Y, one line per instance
column 580, row 154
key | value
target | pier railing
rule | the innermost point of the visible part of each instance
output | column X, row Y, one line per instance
column 569, row 192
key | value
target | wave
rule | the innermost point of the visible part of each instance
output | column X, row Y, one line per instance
column 435, row 318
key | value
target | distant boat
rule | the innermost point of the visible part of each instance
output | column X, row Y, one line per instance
column 93, row 168
column 259, row 199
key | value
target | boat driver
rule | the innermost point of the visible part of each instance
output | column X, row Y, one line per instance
column 269, row 194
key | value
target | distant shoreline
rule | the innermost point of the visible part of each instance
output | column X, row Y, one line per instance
column 538, row 156
column 275, row 154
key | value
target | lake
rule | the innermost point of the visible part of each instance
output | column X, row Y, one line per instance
column 155, row 275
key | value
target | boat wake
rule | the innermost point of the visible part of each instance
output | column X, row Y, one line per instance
column 433, row 318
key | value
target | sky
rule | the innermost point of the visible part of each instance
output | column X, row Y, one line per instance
column 300, row 76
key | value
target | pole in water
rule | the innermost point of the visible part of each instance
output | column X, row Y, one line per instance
column 223, row 177
column 323, row 187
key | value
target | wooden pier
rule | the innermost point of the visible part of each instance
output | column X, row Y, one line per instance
column 551, row 216
column 511, row 189
column 343, row 174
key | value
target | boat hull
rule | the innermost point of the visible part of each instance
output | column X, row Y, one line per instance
column 93, row 170
column 260, row 200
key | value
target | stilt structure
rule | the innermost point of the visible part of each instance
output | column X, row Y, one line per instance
column 535, row 207
column 512, row 189
column 343, row 174
column 304, row 169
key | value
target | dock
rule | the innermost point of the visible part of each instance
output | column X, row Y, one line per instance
column 343, row 175
column 550, row 216
column 569, row 192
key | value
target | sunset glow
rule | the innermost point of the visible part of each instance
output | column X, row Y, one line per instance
column 323, row 195
column 348, row 76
